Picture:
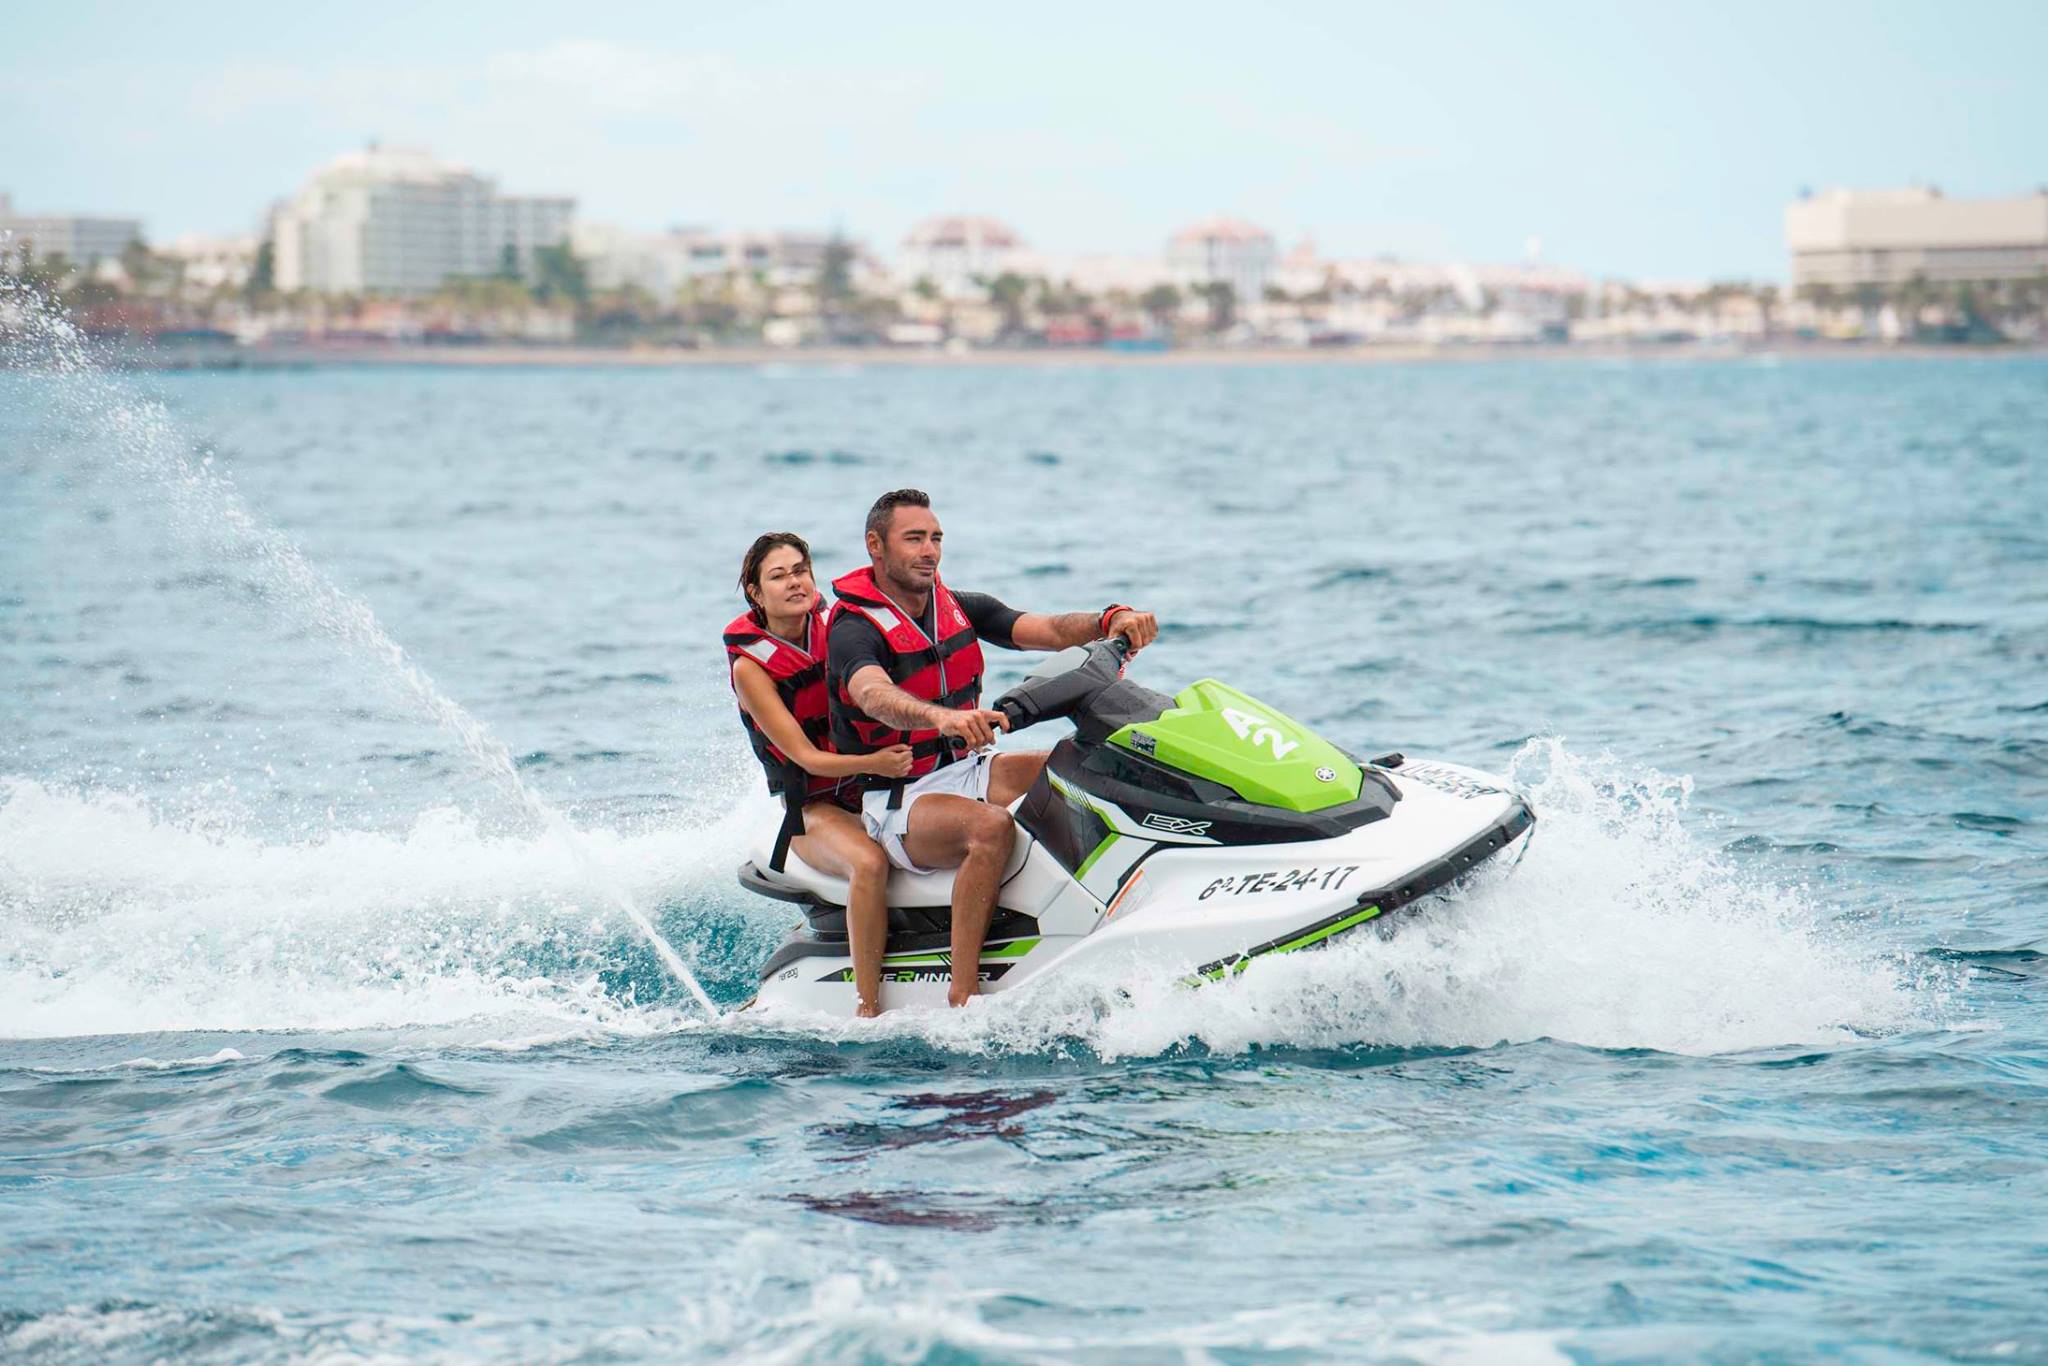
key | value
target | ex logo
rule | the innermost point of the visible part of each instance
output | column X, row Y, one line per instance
column 1175, row 825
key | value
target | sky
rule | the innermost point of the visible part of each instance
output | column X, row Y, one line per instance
column 1651, row 140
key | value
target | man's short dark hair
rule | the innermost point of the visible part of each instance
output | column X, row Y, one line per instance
column 884, row 510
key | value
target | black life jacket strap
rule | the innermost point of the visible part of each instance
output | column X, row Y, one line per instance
column 794, row 783
column 939, row 745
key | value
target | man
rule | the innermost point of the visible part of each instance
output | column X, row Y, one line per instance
column 904, row 662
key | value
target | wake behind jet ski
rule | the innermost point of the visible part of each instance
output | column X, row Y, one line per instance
column 1200, row 831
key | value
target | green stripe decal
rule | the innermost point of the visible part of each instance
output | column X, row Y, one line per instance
column 1317, row 936
column 1218, row 971
column 1081, row 799
column 1107, row 840
column 1016, row 948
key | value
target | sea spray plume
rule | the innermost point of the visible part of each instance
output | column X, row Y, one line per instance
column 38, row 336
column 118, row 919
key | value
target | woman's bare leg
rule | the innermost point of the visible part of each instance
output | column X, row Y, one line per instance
column 834, row 841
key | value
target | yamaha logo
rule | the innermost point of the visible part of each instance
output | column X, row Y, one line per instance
column 1326, row 775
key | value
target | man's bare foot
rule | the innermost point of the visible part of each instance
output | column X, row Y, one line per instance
column 960, row 993
column 866, row 1010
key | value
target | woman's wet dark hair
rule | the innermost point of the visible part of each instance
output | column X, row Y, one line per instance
column 750, row 567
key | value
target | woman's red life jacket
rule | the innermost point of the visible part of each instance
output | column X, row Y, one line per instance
column 946, row 671
column 799, row 676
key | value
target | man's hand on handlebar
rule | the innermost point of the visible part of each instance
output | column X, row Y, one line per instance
column 1139, row 628
column 975, row 728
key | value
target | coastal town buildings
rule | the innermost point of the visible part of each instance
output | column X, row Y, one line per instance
column 663, row 262
column 210, row 262
column 1224, row 251
column 957, row 253
column 784, row 258
column 400, row 222
column 619, row 258
column 399, row 247
column 1849, row 239
column 1108, row 274
column 86, row 240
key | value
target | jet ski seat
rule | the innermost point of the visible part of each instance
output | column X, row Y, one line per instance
column 918, row 902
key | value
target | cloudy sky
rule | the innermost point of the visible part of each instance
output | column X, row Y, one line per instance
column 1650, row 139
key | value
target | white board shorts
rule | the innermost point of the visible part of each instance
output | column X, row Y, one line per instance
column 966, row 777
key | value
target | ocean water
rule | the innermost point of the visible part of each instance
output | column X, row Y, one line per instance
column 349, row 716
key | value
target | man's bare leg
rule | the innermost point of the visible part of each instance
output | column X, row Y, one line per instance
column 949, row 831
column 1010, row 776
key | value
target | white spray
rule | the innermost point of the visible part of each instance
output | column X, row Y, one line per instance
column 148, row 445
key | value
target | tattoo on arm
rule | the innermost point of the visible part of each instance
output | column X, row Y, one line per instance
column 1076, row 628
column 874, row 694
column 1039, row 631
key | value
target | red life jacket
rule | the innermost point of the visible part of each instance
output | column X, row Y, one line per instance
column 946, row 671
column 800, row 682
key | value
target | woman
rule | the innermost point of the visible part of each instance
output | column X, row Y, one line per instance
column 777, row 653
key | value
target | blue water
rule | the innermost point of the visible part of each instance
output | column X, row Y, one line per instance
column 314, row 1043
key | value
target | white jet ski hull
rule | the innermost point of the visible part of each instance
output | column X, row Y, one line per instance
column 1150, row 899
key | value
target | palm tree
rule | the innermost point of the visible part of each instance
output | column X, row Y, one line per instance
column 262, row 281
column 1222, row 301
column 1162, row 302
column 562, row 275
column 1007, row 293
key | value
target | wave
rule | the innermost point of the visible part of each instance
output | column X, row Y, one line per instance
column 1622, row 928
column 771, row 1299
column 805, row 457
column 1710, row 623
column 121, row 920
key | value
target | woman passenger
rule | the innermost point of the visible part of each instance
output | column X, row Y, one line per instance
column 777, row 653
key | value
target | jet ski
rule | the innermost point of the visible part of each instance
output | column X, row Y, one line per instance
column 1201, row 831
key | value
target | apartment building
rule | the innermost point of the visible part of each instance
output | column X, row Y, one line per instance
column 81, row 239
column 400, row 222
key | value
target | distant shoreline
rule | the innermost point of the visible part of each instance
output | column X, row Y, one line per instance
column 757, row 357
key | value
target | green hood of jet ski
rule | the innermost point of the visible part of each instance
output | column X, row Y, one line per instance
column 1216, row 732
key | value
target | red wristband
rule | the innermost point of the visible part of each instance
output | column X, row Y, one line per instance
column 1109, row 612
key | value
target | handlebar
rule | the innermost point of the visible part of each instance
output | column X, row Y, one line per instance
column 1061, row 684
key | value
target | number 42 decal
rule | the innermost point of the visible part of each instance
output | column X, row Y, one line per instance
column 1257, row 729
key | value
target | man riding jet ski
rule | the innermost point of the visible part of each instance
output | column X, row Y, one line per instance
column 904, row 667
column 1199, row 831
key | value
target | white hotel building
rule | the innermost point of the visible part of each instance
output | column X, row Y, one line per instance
column 389, row 221
column 1225, row 251
column 959, row 253
column 1851, row 238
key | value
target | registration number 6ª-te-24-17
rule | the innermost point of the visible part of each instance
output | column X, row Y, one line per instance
column 1275, row 880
